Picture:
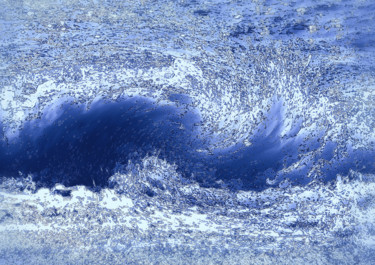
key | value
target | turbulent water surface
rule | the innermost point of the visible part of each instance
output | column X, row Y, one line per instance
column 187, row 132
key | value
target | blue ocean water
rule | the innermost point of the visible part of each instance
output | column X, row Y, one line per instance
column 163, row 132
column 82, row 147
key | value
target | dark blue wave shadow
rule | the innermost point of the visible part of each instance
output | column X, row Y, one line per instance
column 82, row 147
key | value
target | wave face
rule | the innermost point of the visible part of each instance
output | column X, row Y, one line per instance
column 84, row 147
column 177, row 132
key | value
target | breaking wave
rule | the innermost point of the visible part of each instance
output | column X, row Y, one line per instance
column 82, row 147
column 187, row 132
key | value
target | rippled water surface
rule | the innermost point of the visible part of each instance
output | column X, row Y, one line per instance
column 187, row 132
